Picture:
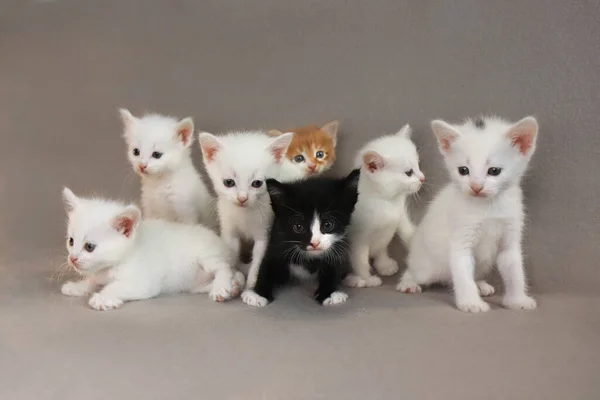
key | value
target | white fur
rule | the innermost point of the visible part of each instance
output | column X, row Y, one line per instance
column 381, row 212
column 172, row 189
column 335, row 298
column 244, row 157
column 463, row 235
column 137, row 260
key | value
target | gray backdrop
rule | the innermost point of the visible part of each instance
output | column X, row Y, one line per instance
column 66, row 66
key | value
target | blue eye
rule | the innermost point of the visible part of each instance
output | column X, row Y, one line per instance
column 157, row 155
column 463, row 171
column 320, row 154
column 328, row 226
column 136, row 152
column 494, row 171
column 71, row 241
column 409, row 173
column 299, row 158
column 89, row 247
column 229, row 183
column 257, row 184
column 298, row 228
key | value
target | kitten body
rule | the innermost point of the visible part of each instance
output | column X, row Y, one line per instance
column 476, row 221
column 238, row 164
column 389, row 174
column 159, row 151
column 128, row 258
column 311, row 152
column 309, row 234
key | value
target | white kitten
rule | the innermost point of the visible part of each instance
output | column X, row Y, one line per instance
column 476, row 221
column 238, row 164
column 159, row 151
column 389, row 174
column 111, row 246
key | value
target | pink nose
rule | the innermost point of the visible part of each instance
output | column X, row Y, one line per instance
column 422, row 179
column 312, row 167
column 315, row 243
column 73, row 260
column 142, row 167
column 476, row 188
column 242, row 199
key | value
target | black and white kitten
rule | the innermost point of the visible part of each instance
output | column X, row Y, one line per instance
column 309, row 233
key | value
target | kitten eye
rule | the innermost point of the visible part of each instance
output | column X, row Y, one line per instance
column 328, row 226
column 299, row 158
column 320, row 154
column 157, row 155
column 409, row 173
column 71, row 241
column 257, row 184
column 229, row 183
column 136, row 152
column 298, row 228
column 89, row 247
column 463, row 171
column 494, row 171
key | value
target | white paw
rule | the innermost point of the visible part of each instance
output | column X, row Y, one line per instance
column 77, row 289
column 485, row 289
column 520, row 303
column 357, row 281
column 102, row 303
column 335, row 298
column 408, row 287
column 387, row 267
column 473, row 306
column 252, row 299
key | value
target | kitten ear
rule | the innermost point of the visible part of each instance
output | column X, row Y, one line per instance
column 71, row 201
column 274, row 133
column 331, row 128
column 373, row 161
column 278, row 147
column 445, row 134
column 185, row 131
column 405, row 131
column 127, row 221
column 210, row 145
column 128, row 119
column 524, row 134
column 276, row 190
column 352, row 179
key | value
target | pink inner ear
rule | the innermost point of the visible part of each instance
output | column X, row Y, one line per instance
column 124, row 225
column 185, row 134
column 373, row 161
column 209, row 152
column 278, row 153
column 445, row 143
column 524, row 141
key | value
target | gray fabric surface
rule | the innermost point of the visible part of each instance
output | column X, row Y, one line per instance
column 65, row 67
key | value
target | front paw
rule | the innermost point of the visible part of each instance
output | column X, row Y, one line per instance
column 473, row 306
column 408, row 287
column 357, row 281
column 387, row 267
column 523, row 302
column 77, row 289
column 102, row 303
column 335, row 298
column 251, row 298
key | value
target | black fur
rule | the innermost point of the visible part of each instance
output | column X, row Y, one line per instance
column 479, row 123
column 296, row 203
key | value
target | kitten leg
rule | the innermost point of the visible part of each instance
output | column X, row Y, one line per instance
column 326, row 293
column 265, row 285
column 466, row 293
column 510, row 265
column 406, row 228
column 384, row 264
column 258, row 252
column 223, row 285
column 114, row 294
column 228, row 235
column 362, row 277
column 80, row 288
column 408, row 284
column 485, row 289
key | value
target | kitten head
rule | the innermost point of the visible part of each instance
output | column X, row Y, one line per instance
column 390, row 164
column 238, row 163
column 156, row 144
column 100, row 232
column 486, row 156
column 314, row 214
column 312, row 150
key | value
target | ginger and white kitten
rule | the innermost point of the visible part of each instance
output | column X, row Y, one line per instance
column 311, row 152
column 134, row 259
column 238, row 164
column 159, row 151
column 476, row 221
column 389, row 174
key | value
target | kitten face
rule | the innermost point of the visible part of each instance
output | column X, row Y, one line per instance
column 391, row 163
column 239, row 163
column 99, row 232
column 312, row 150
column 314, row 214
column 156, row 144
column 486, row 156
